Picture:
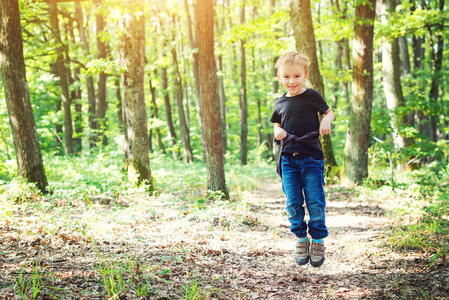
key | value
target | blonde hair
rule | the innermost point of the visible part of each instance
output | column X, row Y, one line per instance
column 293, row 58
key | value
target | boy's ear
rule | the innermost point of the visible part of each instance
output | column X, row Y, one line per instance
column 306, row 75
column 279, row 76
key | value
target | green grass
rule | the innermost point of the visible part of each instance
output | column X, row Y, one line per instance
column 426, row 218
column 28, row 285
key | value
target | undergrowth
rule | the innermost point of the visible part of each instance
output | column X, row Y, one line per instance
column 423, row 222
column 96, row 191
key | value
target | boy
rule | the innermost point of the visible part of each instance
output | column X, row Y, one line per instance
column 301, row 162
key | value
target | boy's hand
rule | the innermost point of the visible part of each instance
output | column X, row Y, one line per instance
column 325, row 127
column 279, row 133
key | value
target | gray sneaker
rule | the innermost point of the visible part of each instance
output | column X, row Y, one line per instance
column 317, row 254
column 302, row 252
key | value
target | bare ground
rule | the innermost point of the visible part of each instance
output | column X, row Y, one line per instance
column 226, row 251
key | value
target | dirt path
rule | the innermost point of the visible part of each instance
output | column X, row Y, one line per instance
column 357, row 265
column 224, row 250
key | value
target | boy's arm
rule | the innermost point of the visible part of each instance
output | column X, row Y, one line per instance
column 279, row 132
column 325, row 126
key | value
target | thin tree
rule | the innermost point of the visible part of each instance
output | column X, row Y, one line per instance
column 301, row 17
column 209, row 98
column 102, row 47
column 392, row 76
column 357, row 139
column 133, row 63
column 75, row 93
column 220, row 26
column 62, row 73
column 185, row 131
column 243, row 102
column 23, row 126
column 92, row 108
column 436, row 54
column 156, row 115
column 194, row 46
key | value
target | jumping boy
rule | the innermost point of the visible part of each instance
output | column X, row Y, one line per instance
column 301, row 163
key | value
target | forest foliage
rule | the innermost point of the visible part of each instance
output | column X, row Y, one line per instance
column 408, row 137
column 265, row 31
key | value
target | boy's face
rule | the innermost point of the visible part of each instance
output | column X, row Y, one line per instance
column 292, row 77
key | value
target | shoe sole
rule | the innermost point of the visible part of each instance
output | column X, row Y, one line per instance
column 303, row 261
column 317, row 264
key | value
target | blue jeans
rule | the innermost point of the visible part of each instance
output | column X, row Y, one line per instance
column 303, row 179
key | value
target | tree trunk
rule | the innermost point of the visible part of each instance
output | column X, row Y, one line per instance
column 243, row 102
column 406, row 70
column 133, row 63
column 171, row 128
column 193, row 45
column 185, row 132
column 61, row 71
column 437, row 65
column 391, row 76
column 342, row 51
column 222, row 100
column 209, row 98
column 357, row 139
column 75, row 96
column 59, row 129
column 221, row 88
column 118, row 95
column 156, row 117
column 275, row 148
column 23, row 126
column 301, row 17
column 405, row 57
column 93, row 127
column 102, row 105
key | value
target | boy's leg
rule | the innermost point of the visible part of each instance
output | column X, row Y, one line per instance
column 292, row 187
column 312, row 181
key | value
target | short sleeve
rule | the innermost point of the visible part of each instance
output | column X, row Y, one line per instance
column 275, row 118
column 320, row 104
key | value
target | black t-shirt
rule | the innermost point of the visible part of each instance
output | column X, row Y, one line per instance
column 298, row 115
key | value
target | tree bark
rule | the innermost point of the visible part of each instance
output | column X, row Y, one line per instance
column 301, row 17
column 23, row 126
column 75, row 96
column 194, row 45
column 221, row 88
column 437, row 65
column 185, row 132
column 168, row 112
column 222, row 100
column 357, row 139
column 61, row 71
column 118, row 95
column 102, row 105
column 243, row 102
column 209, row 98
column 93, row 127
column 275, row 148
column 405, row 57
column 392, row 77
column 133, row 61
column 156, row 116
